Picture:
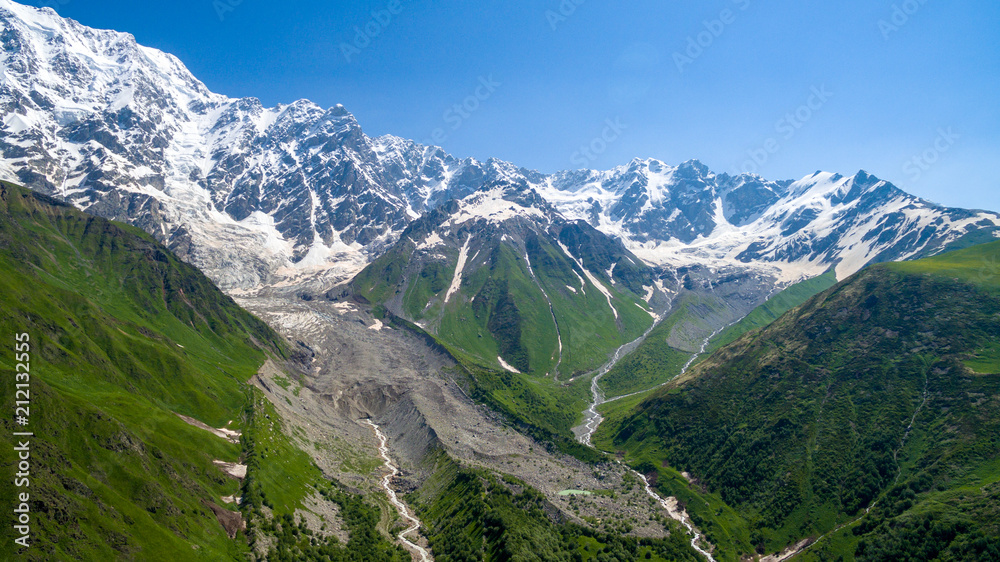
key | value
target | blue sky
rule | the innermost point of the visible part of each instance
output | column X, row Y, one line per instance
column 905, row 89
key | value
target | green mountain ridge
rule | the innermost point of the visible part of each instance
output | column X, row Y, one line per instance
column 123, row 338
column 880, row 393
column 518, row 296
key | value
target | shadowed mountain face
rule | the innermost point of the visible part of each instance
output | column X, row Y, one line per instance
column 256, row 195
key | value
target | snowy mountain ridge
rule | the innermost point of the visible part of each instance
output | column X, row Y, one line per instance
column 274, row 196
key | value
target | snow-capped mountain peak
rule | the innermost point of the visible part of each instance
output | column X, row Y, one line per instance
column 257, row 195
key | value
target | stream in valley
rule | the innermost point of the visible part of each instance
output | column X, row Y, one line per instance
column 404, row 511
column 678, row 515
column 591, row 418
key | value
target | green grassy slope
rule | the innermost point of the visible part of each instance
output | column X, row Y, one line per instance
column 501, row 308
column 800, row 427
column 655, row 361
column 498, row 311
column 123, row 336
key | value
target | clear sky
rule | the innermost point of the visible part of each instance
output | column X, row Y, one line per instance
column 908, row 90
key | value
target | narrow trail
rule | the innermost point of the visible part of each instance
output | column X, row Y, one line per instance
column 383, row 449
column 909, row 427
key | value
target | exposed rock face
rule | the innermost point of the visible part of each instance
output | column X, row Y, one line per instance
column 231, row 521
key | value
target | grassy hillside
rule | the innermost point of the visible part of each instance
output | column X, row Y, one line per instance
column 882, row 392
column 516, row 299
column 123, row 337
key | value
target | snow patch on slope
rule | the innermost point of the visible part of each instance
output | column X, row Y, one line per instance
column 432, row 241
column 456, row 280
column 593, row 280
column 491, row 205
column 506, row 366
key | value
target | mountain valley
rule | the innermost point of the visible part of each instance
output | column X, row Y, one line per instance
column 242, row 315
